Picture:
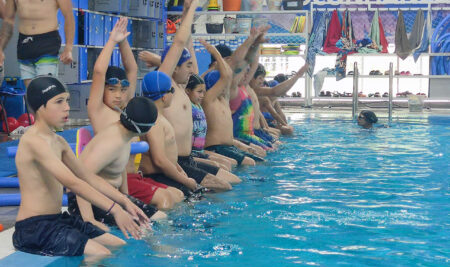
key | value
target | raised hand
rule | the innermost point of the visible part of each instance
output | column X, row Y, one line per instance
column 119, row 32
column 150, row 59
column 302, row 70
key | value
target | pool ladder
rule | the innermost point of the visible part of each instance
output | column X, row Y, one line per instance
column 391, row 82
column 355, row 91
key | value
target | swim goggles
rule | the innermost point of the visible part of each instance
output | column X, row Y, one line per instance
column 135, row 124
column 114, row 81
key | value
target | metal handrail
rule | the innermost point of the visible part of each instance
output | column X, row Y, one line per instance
column 355, row 90
column 391, row 82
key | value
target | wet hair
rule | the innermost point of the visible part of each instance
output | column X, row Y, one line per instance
column 139, row 115
column 194, row 80
column 369, row 116
column 115, row 72
column 280, row 78
column 260, row 71
column 224, row 51
column 42, row 89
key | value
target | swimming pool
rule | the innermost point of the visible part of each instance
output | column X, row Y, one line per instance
column 334, row 195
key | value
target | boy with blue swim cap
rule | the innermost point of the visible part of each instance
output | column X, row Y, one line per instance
column 160, row 163
column 45, row 164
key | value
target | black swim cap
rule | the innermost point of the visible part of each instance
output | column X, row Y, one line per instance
column 116, row 72
column 42, row 89
column 139, row 115
column 280, row 78
column 194, row 80
column 224, row 51
column 369, row 116
column 260, row 71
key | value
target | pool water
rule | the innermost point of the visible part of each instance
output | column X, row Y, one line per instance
column 335, row 194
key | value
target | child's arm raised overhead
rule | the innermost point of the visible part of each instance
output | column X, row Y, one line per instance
column 118, row 34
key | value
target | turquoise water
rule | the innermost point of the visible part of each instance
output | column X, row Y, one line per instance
column 334, row 194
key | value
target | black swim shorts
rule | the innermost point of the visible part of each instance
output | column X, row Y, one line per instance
column 196, row 170
column 228, row 151
column 102, row 216
column 32, row 47
column 54, row 235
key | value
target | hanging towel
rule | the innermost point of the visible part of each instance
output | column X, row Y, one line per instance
column 333, row 35
column 402, row 48
column 347, row 43
column 404, row 45
column 318, row 81
column 379, row 42
column 417, row 31
column 383, row 42
column 424, row 45
column 316, row 40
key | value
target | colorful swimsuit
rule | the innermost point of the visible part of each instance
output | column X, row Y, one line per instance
column 200, row 127
column 243, row 116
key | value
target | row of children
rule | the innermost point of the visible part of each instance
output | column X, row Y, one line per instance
column 197, row 129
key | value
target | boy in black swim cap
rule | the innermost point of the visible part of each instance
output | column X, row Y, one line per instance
column 112, row 88
column 45, row 164
column 367, row 118
column 107, row 155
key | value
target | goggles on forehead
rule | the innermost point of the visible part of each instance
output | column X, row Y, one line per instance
column 135, row 124
column 114, row 81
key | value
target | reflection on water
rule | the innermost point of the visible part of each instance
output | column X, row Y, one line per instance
column 334, row 195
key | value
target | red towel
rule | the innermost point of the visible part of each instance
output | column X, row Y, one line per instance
column 333, row 34
column 383, row 40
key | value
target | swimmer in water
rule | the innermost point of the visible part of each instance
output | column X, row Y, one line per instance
column 366, row 119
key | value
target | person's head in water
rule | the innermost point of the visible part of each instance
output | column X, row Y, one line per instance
column 259, row 77
column 157, row 86
column 48, row 98
column 139, row 115
column 184, row 68
column 366, row 118
column 196, row 89
column 116, row 87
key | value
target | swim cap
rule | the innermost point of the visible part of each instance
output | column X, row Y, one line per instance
column 280, row 78
column 369, row 116
column 211, row 79
column 260, row 71
column 115, row 72
column 185, row 55
column 139, row 115
column 155, row 84
column 194, row 80
column 224, row 51
column 273, row 83
column 42, row 89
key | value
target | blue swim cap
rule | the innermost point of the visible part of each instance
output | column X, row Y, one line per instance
column 185, row 55
column 155, row 84
column 272, row 83
column 211, row 79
